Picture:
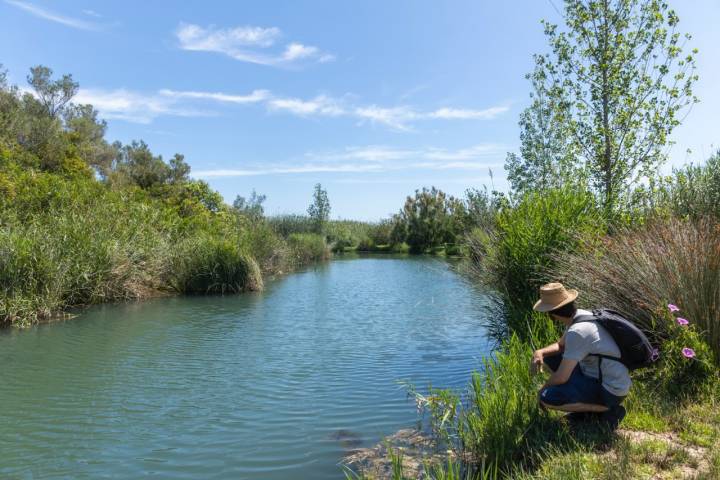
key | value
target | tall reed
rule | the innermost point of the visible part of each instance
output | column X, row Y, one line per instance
column 636, row 270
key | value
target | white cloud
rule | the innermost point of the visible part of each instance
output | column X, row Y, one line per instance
column 378, row 159
column 295, row 51
column 370, row 153
column 465, row 114
column 320, row 105
column 144, row 107
column 254, row 97
column 133, row 107
column 395, row 117
column 52, row 16
column 247, row 44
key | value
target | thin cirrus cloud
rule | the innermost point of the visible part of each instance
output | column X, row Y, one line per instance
column 144, row 108
column 248, row 44
column 49, row 15
column 376, row 159
column 134, row 107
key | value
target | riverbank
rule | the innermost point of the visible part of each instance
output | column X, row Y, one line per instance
column 72, row 241
column 658, row 267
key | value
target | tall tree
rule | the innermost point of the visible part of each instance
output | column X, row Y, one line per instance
column 620, row 66
column 250, row 207
column 319, row 210
column 548, row 152
column 52, row 94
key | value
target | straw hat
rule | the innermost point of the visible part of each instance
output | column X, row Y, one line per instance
column 552, row 296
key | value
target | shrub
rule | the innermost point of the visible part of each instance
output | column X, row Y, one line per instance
column 381, row 233
column 685, row 361
column 633, row 271
column 285, row 225
column 307, row 248
column 694, row 190
column 525, row 244
column 209, row 265
column 103, row 252
column 366, row 244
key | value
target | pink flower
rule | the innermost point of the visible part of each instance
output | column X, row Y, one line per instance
column 688, row 352
column 682, row 321
column 673, row 308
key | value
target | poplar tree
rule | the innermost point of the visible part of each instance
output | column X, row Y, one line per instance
column 617, row 84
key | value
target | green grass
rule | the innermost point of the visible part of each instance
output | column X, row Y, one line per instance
column 67, row 242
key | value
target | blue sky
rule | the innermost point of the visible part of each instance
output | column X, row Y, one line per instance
column 372, row 99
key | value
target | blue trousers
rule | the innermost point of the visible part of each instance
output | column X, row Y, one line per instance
column 578, row 389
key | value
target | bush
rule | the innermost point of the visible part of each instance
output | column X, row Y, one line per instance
column 366, row 244
column 381, row 232
column 694, row 190
column 209, row 265
column 286, row 225
column 685, row 361
column 525, row 244
column 669, row 261
column 307, row 248
column 107, row 250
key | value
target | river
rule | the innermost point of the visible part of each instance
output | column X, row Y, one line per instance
column 279, row 384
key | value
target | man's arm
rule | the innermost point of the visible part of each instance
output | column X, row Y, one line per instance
column 562, row 374
column 553, row 349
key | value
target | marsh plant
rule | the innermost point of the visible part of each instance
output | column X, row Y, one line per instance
column 636, row 269
column 513, row 257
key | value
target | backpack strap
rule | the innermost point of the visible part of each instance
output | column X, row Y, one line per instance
column 594, row 318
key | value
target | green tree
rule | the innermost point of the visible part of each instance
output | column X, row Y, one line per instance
column 52, row 94
column 136, row 164
column 251, row 207
column 179, row 169
column 319, row 210
column 547, row 150
column 86, row 133
column 617, row 82
column 427, row 219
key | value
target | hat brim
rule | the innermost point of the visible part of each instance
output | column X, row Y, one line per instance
column 543, row 307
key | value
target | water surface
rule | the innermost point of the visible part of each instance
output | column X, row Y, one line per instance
column 273, row 385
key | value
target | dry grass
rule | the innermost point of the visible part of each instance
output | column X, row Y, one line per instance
column 636, row 271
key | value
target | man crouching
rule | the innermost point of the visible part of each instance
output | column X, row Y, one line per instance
column 585, row 379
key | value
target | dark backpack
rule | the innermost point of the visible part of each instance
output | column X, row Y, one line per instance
column 636, row 351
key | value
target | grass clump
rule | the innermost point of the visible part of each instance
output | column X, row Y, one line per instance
column 209, row 265
column 525, row 243
column 307, row 248
column 637, row 270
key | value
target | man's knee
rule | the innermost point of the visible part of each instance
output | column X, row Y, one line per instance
column 552, row 397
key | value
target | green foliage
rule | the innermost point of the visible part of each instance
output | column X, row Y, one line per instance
column 319, row 210
column 426, row 221
column 548, row 152
column 307, row 248
column 53, row 95
column 692, row 191
column 204, row 264
column 482, row 208
column 66, row 243
column 675, row 373
column 527, row 241
column 615, row 83
column 251, row 207
column 285, row 225
column 503, row 406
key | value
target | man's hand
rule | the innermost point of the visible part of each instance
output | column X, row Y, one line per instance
column 536, row 363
